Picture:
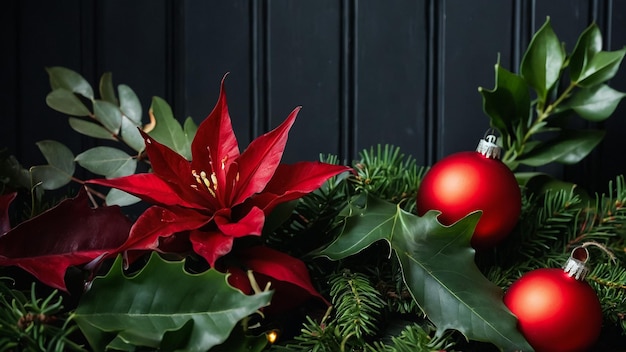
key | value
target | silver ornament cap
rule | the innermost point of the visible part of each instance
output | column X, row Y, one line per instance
column 576, row 265
column 488, row 147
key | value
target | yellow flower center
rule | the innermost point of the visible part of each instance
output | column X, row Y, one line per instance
column 202, row 179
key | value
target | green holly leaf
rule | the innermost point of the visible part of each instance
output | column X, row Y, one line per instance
column 196, row 314
column 589, row 43
column 602, row 67
column 63, row 100
column 594, row 104
column 569, row 147
column 168, row 130
column 61, row 77
column 438, row 267
column 508, row 102
column 543, row 60
column 107, row 161
column 60, row 168
column 90, row 129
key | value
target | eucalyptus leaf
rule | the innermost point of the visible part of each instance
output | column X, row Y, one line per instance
column 602, row 67
column 90, row 129
column 141, row 310
column 594, row 104
column 543, row 60
column 107, row 91
column 129, row 104
column 49, row 177
column 569, row 147
column 508, row 102
column 63, row 100
column 109, row 115
column 438, row 266
column 131, row 135
column 107, row 161
column 589, row 43
column 57, row 155
column 60, row 168
column 168, row 130
column 120, row 198
column 61, row 77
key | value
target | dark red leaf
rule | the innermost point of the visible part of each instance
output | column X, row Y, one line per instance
column 69, row 234
column 5, row 202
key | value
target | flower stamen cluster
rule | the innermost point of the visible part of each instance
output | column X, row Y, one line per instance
column 202, row 179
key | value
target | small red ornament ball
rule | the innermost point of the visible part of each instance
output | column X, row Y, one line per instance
column 468, row 181
column 555, row 312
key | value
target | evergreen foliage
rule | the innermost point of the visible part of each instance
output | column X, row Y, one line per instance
column 30, row 323
column 554, row 221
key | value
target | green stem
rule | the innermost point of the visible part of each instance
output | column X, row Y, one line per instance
column 542, row 114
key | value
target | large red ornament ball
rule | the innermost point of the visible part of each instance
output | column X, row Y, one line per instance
column 555, row 312
column 468, row 181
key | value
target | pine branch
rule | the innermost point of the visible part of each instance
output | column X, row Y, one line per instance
column 609, row 281
column 390, row 175
column 414, row 337
column 357, row 303
column 30, row 323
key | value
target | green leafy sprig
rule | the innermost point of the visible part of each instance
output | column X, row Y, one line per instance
column 535, row 131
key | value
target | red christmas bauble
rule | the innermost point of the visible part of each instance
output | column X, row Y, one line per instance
column 468, row 181
column 555, row 312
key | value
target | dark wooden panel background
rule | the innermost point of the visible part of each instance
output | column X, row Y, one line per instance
column 403, row 72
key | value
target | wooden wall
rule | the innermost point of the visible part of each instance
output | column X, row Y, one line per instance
column 403, row 72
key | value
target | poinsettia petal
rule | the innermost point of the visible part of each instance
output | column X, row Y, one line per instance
column 215, row 146
column 157, row 222
column 148, row 187
column 259, row 161
column 278, row 266
column 71, row 233
column 211, row 245
column 175, row 170
column 294, row 181
column 250, row 224
column 5, row 201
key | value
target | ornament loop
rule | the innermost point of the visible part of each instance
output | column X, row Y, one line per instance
column 488, row 147
column 576, row 265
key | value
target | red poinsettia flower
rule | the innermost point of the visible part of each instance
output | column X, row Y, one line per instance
column 221, row 194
